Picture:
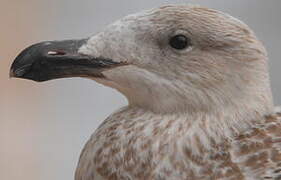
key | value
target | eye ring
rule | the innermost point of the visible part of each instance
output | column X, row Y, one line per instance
column 180, row 42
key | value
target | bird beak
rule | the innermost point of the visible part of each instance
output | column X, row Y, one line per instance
column 58, row 59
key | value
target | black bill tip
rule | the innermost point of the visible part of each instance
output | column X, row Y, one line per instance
column 29, row 64
column 23, row 62
column 19, row 72
column 58, row 59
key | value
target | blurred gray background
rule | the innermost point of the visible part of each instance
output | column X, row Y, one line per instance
column 43, row 126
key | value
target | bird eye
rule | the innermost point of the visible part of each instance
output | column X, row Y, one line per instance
column 180, row 42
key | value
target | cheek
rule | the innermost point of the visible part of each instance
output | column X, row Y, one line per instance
column 205, row 65
column 132, row 77
column 126, row 76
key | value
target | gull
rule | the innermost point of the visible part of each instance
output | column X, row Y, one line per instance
column 200, row 105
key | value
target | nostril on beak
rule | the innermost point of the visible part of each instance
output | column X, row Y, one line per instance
column 56, row 52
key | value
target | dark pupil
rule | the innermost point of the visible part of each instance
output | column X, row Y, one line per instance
column 179, row 42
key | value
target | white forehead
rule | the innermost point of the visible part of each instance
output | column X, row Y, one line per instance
column 206, row 25
column 119, row 33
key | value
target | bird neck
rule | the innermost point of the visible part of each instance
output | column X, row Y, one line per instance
column 208, row 128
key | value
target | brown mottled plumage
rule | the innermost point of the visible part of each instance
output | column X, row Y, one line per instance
column 253, row 154
column 202, row 112
column 228, row 134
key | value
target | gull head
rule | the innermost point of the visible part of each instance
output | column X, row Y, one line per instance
column 176, row 58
